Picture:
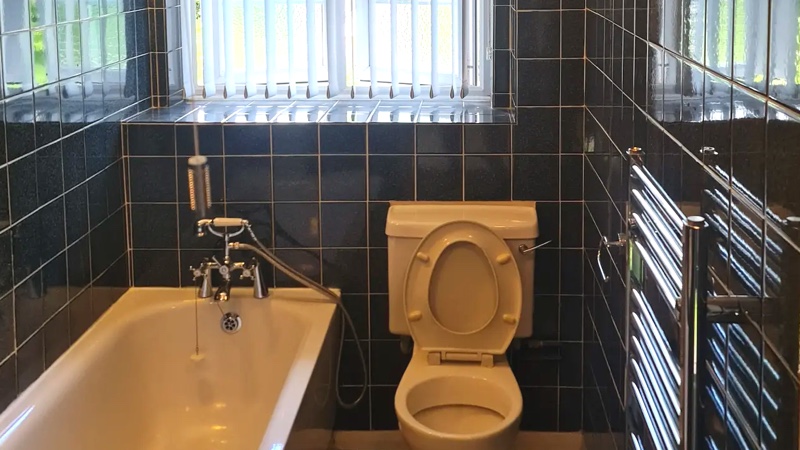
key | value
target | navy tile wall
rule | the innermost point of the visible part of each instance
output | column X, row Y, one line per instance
column 319, row 193
column 67, row 79
column 325, row 212
column 672, row 77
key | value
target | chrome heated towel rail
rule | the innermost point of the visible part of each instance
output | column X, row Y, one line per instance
column 670, row 313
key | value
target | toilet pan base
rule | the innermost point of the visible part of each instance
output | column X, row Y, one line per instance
column 458, row 406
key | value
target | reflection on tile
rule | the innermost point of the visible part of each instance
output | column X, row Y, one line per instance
column 211, row 113
column 750, row 43
column 346, row 268
column 783, row 53
column 17, row 63
column 30, row 361
column 306, row 261
column 441, row 114
column 391, row 113
column 343, row 225
column 297, row 225
column 257, row 113
column 782, row 159
column 300, row 113
column 350, row 112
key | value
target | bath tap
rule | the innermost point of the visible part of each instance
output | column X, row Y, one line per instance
column 223, row 291
column 226, row 270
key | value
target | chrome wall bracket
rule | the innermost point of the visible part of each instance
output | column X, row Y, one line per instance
column 605, row 244
column 732, row 308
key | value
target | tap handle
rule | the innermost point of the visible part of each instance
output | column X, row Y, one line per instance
column 202, row 270
column 250, row 271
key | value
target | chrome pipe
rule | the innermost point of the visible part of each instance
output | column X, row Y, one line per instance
column 661, row 199
column 666, row 289
column 667, row 415
column 660, row 340
column 660, row 363
column 658, row 428
column 671, row 267
column 670, row 237
column 692, row 320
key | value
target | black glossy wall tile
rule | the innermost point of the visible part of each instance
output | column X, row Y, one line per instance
column 330, row 184
column 208, row 142
column 247, row 179
column 60, row 176
column 482, row 139
column 147, row 175
column 343, row 178
column 297, row 225
column 539, row 30
column 537, row 130
column 439, row 178
column 391, row 177
column 295, row 139
column 155, row 268
column 247, row 140
column 718, row 76
column 391, row 139
column 439, row 139
column 546, row 89
column 343, row 139
column 487, row 178
column 296, row 178
column 536, row 177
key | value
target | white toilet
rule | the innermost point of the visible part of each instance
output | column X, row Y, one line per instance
column 460, row 285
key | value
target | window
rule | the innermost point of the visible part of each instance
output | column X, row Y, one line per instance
column 338, row 48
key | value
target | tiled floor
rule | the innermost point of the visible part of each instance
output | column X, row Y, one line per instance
column 392, row 440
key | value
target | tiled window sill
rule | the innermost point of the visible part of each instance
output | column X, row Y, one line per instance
column 309, row 111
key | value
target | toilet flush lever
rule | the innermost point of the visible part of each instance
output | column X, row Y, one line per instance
column 524, row 249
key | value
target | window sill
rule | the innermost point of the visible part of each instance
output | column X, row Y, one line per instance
column 325, row 111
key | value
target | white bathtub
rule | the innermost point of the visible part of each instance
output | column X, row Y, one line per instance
column 134, row 381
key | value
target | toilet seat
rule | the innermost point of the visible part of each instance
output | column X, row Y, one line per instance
column 463, row 294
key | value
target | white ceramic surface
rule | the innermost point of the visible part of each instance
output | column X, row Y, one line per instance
column 460, row 286
column 134, row 380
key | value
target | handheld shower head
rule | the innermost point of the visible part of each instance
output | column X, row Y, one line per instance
column 199, row 186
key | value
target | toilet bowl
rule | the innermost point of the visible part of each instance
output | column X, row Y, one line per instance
column 461, row 299
column 453, row 407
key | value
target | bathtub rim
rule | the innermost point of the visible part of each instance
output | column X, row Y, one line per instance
column 131, row 307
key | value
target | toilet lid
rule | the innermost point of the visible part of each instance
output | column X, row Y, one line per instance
column 463, row 292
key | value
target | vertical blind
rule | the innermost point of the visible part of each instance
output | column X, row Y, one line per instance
column 330, row 48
